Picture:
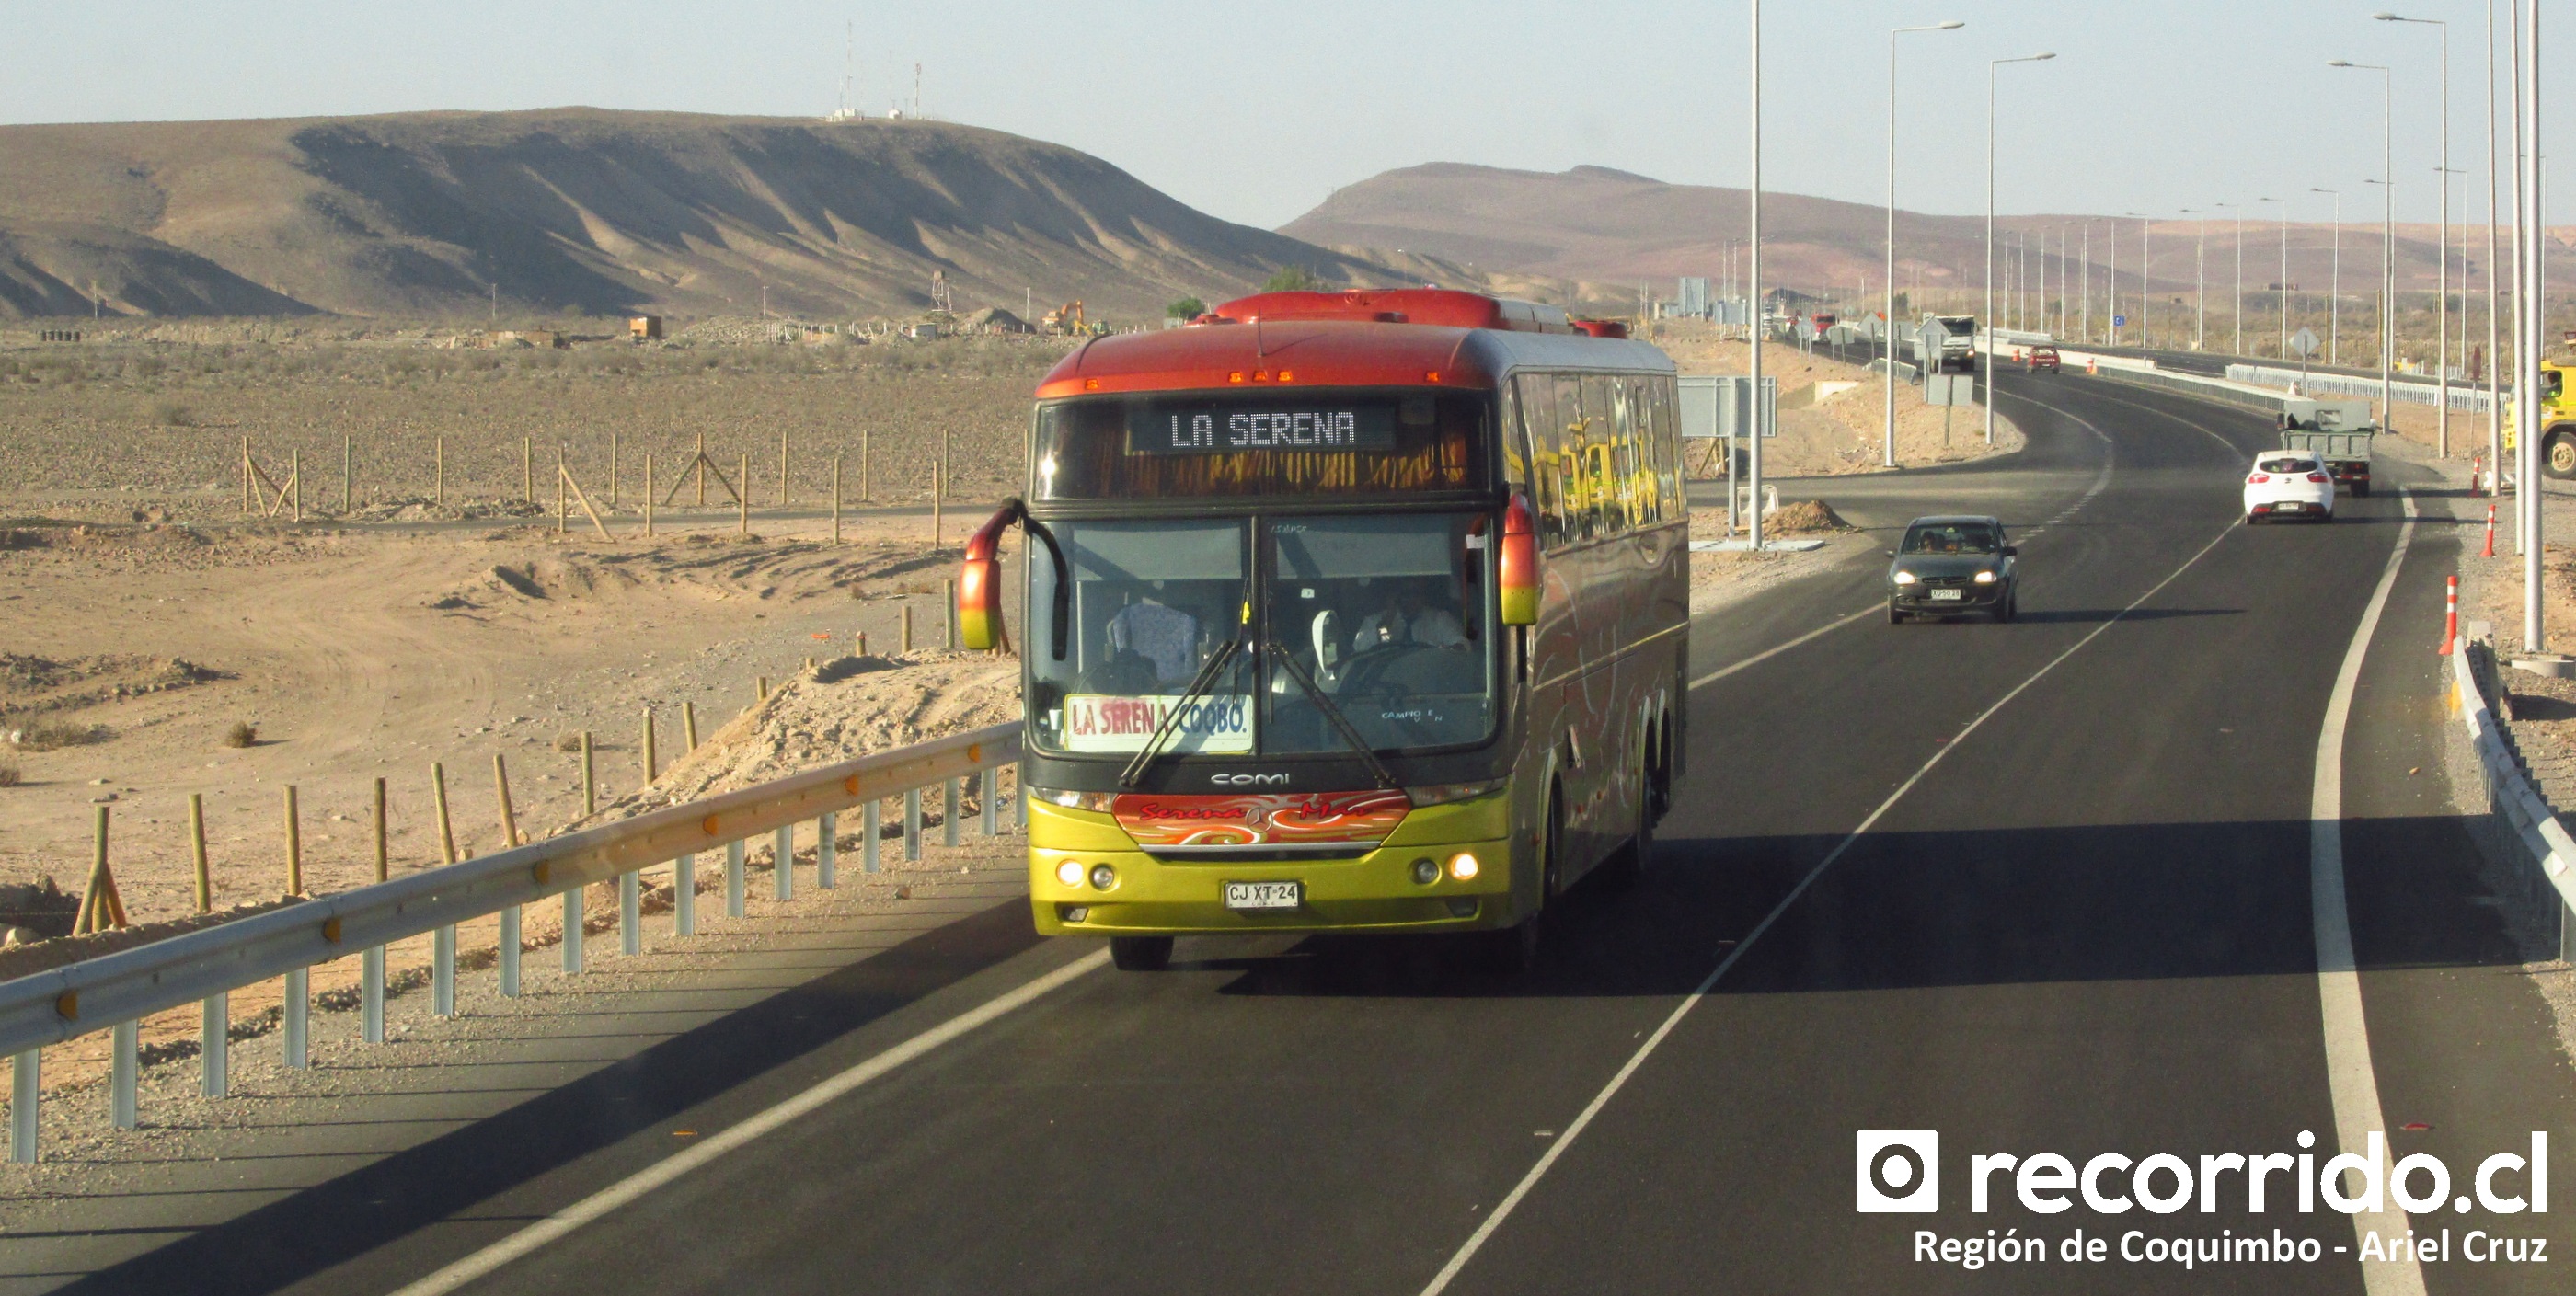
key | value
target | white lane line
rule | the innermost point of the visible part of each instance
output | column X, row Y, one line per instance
column 624, row 1191
column 1511, row 1201
column 2349, row 1074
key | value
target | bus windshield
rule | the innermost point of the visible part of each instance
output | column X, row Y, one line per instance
column 1385, row 615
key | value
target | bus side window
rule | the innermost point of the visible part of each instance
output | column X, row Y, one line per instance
column 1572, row 427
column 1547, row 476
column 1604, row 419
column 1668, row 449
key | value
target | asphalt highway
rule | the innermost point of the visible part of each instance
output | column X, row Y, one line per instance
column 2041, row 887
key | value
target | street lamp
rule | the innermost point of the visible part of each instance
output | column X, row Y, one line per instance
column 2284, row 291
column 2442, row 280
column 2387, row 240
column 1753, row 278
column 1890, row 314
column 1991, row 65
column 2495, row 362
column 2334, row 287
column 2239, row 348
column 2200, row 294
column 2146, row 337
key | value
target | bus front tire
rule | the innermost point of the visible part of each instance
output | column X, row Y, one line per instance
column 1140, row 953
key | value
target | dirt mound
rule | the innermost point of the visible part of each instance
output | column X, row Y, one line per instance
column 1806, row 517
column 31, row 684
column 842, row 709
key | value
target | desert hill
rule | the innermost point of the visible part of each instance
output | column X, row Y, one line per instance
column 1597, row 224
column 596, row 212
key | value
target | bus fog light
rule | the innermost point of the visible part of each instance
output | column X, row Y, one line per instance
column 1462, row 907
column 1462, row 866
column 1076, row 913
column 1425, row 872
column 1103, row 877
column 1069, row 873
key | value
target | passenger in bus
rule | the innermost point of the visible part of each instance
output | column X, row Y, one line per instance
column 1413, row 618
column 1164, row 636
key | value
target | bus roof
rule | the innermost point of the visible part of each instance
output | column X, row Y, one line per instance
column 1340, row 340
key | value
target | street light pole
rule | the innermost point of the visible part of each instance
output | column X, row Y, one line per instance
column 1753, row 279
column 1989, row 321
column 2527, row 363
column 2284, row 291
column 2387, row 242
column 2442, row 280
column 2495, row 362
column 2334, row 288
column 1889, row 315
column 2084, row 288
column 2146, row 256
column 2200, row 292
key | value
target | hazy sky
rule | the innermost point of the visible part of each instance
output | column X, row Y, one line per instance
column 1255, row 112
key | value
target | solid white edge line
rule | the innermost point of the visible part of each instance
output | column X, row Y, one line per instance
column 1511, row 1201
column 529, row 1239
column 2350, row 1077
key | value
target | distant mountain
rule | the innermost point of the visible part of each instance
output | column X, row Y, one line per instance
column 1597, row 224
column 589, row 211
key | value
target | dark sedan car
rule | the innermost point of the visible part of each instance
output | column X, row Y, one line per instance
column 1951, row 565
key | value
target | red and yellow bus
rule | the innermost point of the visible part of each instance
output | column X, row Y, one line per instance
column 1347, row 612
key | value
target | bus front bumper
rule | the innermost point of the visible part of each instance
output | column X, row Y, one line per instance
column 1373, row 893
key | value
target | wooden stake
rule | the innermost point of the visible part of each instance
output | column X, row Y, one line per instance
column 95, row 910
column 438, row 477
column 938, row 490
column 907, row 627
column 528, row 469
column 582, row 499
column 245, row 477
column 348, row 475
column 294, row 846
column 197, row 851
column 867, row 495
column 689, row 724
column 589, row 778
column 648, row 496
column 863, row 643
column 562, row 475
column 948, row 614
column 295, row 478
column 509, row 817
column 446, row 826
column 742, row 499
column 764, row 687
column 652, row 765
column 612, row 470
column 782, row 470
column 836, row 497
column 384, row 850
column 702, row 465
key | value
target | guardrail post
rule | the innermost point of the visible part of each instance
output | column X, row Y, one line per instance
column 948, row 803
column 684, row 896
column 442, row 971
column 630, row 914
column 510, row 952
column 912, row 823
column 572, row 932
column 124, row 1067
column 782, row 850
column 992, row 776
column 26, row 1093
column 298, row 1023
column 214, row 1038
column 733, row 879
column 1020, row 793
column 827, row 850
column 871, row 832
column 371, row 994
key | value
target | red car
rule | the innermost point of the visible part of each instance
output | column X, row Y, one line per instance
column 2042, row 357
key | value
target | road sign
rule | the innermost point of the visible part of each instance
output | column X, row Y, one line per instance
column 2119, row 321
column 2304, row 343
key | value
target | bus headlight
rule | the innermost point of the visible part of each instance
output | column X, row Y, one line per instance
column 1425, row 872
column 1069, row 873
column 1462, row 866
column 1103, row 877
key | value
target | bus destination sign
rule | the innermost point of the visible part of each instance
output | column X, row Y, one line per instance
column 1228, row 429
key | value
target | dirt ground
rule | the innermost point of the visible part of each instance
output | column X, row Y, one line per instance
column 1821, row 435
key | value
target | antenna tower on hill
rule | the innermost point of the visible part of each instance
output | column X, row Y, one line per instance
column 849, row 76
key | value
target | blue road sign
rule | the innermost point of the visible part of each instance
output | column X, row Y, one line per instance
column 2119, row 321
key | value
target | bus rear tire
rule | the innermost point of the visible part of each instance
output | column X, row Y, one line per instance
column 1140, row 953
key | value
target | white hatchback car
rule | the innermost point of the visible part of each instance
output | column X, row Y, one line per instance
column 2289, row 483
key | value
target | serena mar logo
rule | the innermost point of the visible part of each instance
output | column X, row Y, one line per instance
column 1898, row 1172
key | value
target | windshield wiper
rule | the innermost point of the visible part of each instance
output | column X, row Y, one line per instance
column 1135, row 771
column 1333, row 714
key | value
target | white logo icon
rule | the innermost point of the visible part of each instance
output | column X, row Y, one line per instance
column 1897, row 1172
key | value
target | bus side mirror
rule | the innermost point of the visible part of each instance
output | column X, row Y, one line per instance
column 1516, row 583
column 979, row 585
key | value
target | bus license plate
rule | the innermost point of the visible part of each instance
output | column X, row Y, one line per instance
column 1264, row 895
column 1945, row 596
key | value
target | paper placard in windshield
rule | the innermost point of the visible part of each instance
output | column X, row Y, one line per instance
column 1103, row 722
column 1227, row 429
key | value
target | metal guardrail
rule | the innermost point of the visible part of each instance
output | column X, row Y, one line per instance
column 116, row 991
column 2520, row 825
column 2404, row 390
column 2241, row 395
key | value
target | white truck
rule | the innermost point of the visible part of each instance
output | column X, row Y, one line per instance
column 2338, row 432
